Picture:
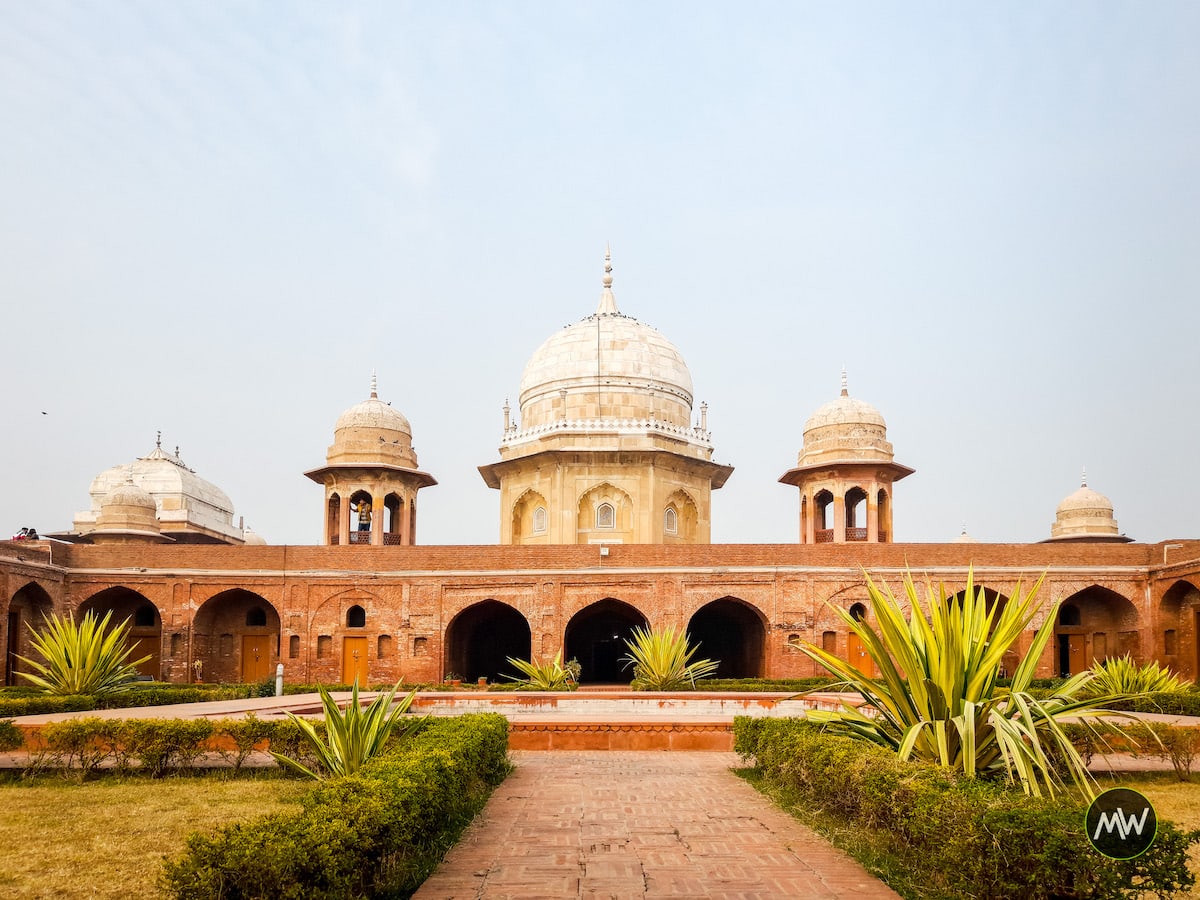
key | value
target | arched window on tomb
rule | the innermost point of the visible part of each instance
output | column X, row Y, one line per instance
column 606, row 516
column 858, row 612
column 670, row 520
column 823, row 523
column 356, row 617
column 539, row 520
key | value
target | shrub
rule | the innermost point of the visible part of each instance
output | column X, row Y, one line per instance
column 87, row 658
column 377, row 833
column 351, row 737
column 937, row 695
column 544, row 676
column 11, row 737
column 245, row 735
column 662, row 660
column 160, row 745
column 1121, row 676
column 44, row 704
column 957, row 836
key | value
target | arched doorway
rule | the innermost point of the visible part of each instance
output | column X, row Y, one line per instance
column 1179, row 616
column 145, row 624
column 1093, row 625
column 732, row 633
column 235, row 637
column 28, row 607
column 481, row 638
column 596, row 637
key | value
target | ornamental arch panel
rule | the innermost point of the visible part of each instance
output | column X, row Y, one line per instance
column 732, row 633
column 145, row 624
column 481, row 638
column 596, row 636
column 1178, row 624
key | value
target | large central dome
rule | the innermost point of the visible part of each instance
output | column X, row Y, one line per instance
column 607, row 366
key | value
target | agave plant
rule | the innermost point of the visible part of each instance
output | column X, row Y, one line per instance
column 545, row 676
column 1122, row 676
column 354, row 736
column 937, row 695
column 662, row 660
column 86, row 658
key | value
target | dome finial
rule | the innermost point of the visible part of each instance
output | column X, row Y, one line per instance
column 1083, row 478
column 374, row 386
column 608, row 303
column 845, row 384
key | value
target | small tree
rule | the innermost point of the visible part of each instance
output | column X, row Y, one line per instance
column 87, row 658
column 662, row 660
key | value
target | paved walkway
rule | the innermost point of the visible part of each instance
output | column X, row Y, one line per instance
column 625, row 824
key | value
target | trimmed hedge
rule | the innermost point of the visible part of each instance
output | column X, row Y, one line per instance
column 378, row 833
column 1177, row 703
column 958, row 837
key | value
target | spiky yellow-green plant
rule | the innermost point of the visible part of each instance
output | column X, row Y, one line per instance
column 937, row 695
column 351, row 737
column 662, row 660
column 1120, row 675
column 544, row 676
column 85, row 657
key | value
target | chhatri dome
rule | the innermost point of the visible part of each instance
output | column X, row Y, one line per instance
column 845, row 471
column 1086, row 515
column 371, row 477
column 603, row 448
column 127, row 514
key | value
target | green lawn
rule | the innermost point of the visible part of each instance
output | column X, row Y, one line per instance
column 107, row 838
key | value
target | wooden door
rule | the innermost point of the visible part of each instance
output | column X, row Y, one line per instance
column 857, row 655
column 256, row 657
column 354, row 661
column 1077, row 653
column 145, row 646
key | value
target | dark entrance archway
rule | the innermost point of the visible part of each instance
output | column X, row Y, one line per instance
column 596, row 637
column 732, row 633
column 29, row 606
column 145, row 624
column 481, row 638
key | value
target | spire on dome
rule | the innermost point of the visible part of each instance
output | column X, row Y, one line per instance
column 845, row 384
column 1083, row 478
column 374, row 386
column 608, row 303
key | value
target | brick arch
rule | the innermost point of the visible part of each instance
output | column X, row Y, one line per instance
column 228, row 640
column 145, row 623
column 482, row 636
column 596, row 637
column 329, row 636
column 27, row 608
column 1175, row 638
column 731, row 632
column 1093, row 624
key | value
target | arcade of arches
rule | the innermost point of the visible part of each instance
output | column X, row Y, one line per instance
column 466, row 610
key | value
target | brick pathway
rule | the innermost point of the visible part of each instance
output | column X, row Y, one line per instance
column 624, row 824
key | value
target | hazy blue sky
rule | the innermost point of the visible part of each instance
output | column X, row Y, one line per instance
column 217, row 218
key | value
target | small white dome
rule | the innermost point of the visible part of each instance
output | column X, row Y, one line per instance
column 1085, row 514
column 843, row 429
column 373, row 413
column 372, row 432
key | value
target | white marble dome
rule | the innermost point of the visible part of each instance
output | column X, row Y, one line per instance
column 607, row 366
column 373, row 413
